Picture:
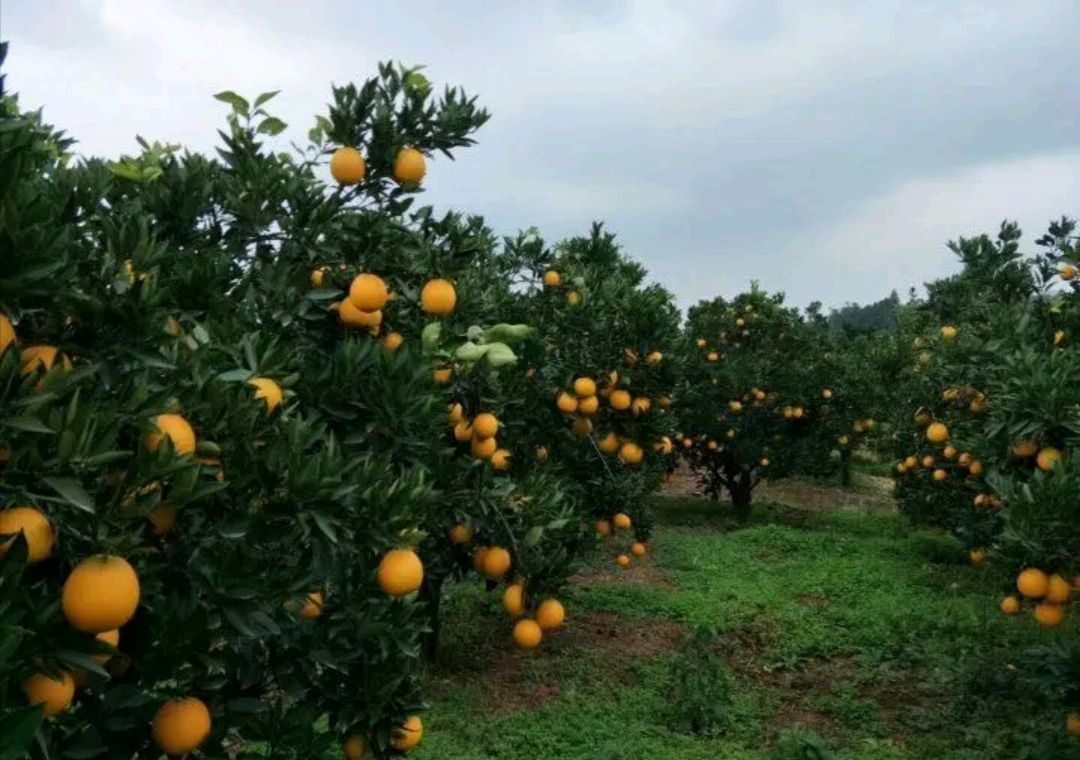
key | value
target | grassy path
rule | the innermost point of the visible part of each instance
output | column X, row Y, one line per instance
column 842, row 630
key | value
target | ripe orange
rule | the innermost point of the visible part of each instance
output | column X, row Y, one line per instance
column 700, row 342
column 1059, row 337
column 54, row 693
column 603, row 527
column 827, row 393
column 552, row 278
column 514, row 600
column 937, row 432
column 461, row 534
column 949, row 452
column 112, row 638
column 393, row 341
column 588, row 406
column 1068, row 272
column 940, row 475
column 1010, row 605
column 622, row 521
column 347, row 166
column 976, row 467
column 584, row 387
column 368, row 292
column 485, row 425
column 1072, row 724
column 455, row 413
column 355, row 747
column 582, row 426
column 654, row 358
column 622, row 561
column 735, row 406
column 181, row 725
column 409, row 166
column 573, row 298
column 1047, row 458
column 977, row 556
column 1049, row 615
column 609, row 444
column 567, row 404
column 7, row 333
column 497, row 562
column 355, row 318
column 630, row 453
column 527, row 634
column 463, row 432
column 620, row 400
column 400, row 572
column 965, row 459
column 550, row 615
column 409, row 735
column 640, row 406
column 928, row 461
column 664, row 402
column 310, row 608
column 484, row 448
column 638, row 549
column 44, row 357
column 162, row 519
column 176, row 429
column 948, row 332
column 268, row 391
column 1032, row 583
column 100, row 594
column 478, row 558
column 35, row 527
column 541, row 454
column 1058, row 590
column 443, row 375
column 500, row 460
column 438, row 297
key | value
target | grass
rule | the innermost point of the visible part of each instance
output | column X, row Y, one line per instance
column 843, row 630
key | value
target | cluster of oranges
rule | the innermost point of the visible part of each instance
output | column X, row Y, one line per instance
column 348, row 167
column 584, row 402
column 481, row 433
column 609, row 528
column 1050, row 593
column 554, row 281
column 937, row 433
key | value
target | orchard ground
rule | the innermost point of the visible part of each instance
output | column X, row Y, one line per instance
column 843, row 629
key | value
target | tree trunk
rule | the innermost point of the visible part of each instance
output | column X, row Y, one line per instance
column 741, row 489
column 432, row 591
column 845, row 468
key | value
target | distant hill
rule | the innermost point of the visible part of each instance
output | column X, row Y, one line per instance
column 856, row 318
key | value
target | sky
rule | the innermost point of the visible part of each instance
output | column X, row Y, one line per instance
column 825, row 148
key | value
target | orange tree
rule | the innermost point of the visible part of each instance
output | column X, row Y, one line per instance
column 761, row 396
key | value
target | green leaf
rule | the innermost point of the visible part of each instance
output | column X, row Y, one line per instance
column 17, row 729
column 72, row 492
column 533, row 536
column 235, row 375
column 325, row 525
column 265, row 97
column 239, row 105
column 272, row 125
column 29, row 424
column 429, row 337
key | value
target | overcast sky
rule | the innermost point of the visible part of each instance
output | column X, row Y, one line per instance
column 825, row 148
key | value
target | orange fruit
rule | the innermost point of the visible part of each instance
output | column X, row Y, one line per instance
column 976, row 467
column 630, row 453
column 1047, row 458
column 497, row 562
column 443, row 375
column 940, row 475
column 622, row 521
column 484, row 448
column 550, row 615
column 1010, row 605
column 638, row 549
column 552, row 278
column 347, row 166
column 527, row 634
column 1072, row 723
column 582, row 426
column 176, row 429
column 393, row 341
column 588, row 406
column 928, row 461
column 409, row 166
column 640, row 406
column 101, row 593
column 7, row 333
column 53, row 693
column 44, row 357
column 513, row 600
column 355, row 747
column 1058, row 590
column 609, row 444
column 664, row 402
column 409, row 735
column 268, row 391
column 937, row 432
column 622, row 561
column 949, row 452
column 1032, row 583
column 400, row 572
column 355, row 318
column 485, row 425
column 463, row 432
column 1049, row 615
column 541, row 454
column 438, row 297
column 603, row 527
column 500, row 460
column 567, row 404
column 35, row 527
column 573, row 298
column 977, row 556
column 1068, row 272
column 181, row 725
column 368, row 292
column 620, row 400
column 948, row 332
column 162, row 519
column 700, row 343
column 455, row 413
column 310, row 608
column 461, row 534
column 478, row 558
column 712, row 356
column 317, row 278
column 584, row 387
column 965, row 459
